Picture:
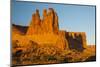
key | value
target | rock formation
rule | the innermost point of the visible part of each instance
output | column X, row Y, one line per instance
column 35, row 25
column 43, row 43
column 17, row 29
column 49, row 23
column 46, row 31
column 76, row 40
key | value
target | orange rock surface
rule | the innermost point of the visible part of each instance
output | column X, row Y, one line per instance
column 49, row 23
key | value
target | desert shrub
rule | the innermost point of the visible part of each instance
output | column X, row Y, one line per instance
column 65, row 60
column 51, row 58
column 47, row 58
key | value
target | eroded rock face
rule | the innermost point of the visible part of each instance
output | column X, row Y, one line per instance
column 17, row 29
column 35, row 25
column 49, row 23
column 76, row 40
column 46, row 30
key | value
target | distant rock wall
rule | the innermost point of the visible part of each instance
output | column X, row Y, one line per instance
column 17, row 29
column 76, row 40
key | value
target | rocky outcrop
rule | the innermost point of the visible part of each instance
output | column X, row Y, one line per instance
column 18, row 29
column 46, row 31
column 76, row 40
column 34, row 26
column 49, row 23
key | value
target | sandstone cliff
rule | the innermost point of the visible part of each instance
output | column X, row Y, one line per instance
column 76, row 40
column 49, row 23
column 46, row 31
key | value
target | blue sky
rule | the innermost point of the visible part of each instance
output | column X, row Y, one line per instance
column 72, row 18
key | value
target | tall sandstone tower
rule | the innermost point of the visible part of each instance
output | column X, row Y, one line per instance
column 46, row 30
column 48, row 24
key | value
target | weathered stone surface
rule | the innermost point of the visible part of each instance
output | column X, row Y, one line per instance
column 17, row 29
column 56, row 25
column 46, row 30
column 44, row 13
column 35, row 25
column 49, row 23
column 76, row 40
